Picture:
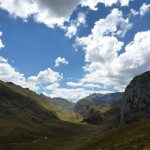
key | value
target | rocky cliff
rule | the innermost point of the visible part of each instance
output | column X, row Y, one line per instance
column 136, row 100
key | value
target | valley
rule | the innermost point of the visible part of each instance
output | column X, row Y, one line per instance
column 29, row 121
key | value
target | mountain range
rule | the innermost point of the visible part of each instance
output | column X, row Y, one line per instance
column 29, row 121
column 97, row 99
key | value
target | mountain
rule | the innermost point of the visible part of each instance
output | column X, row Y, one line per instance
column 28, row 121
column 63, row 109
column 108, row 114
column 60, row 102
column 96, row 99
column 64, row 103
column 18, row 106
column 59, row 112
column 136, row 99
column 135, row 118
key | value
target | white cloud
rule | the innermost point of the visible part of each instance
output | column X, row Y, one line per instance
column 134, row 12
column 1, row 43
column 117, row 71
column 92, row 86
column 18, row 8
column 105, row 66
column 75, row 24
column 144, row 9
column 52, row 86
column 81, row 18
column 92, row 4
column 102, row 41
column 113, row 24
column 135, row 59
column 72, row 94
column 49, row 12
column 9, row 74
column 71, row 31
column 73, row 84
column 59, row 61
column 45, row 77
column 125, row 2
column 82, row 85
column 3, row 60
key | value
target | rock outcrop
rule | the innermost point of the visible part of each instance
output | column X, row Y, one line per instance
column 92, row 116
column 136, row 100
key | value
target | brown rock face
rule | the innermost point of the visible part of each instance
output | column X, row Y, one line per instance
column 92, row 116
column 136, row 100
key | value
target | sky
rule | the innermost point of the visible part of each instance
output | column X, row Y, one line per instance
column 73, row 48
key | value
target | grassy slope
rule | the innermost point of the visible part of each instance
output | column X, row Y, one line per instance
column 67, row 136
column 53, row 134
column 60, row 135
column 131, row 137
column 65, row 115
column 26, row 120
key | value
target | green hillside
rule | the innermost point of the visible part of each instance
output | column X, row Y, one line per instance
column 29, row 122
column 60, row 112
column 131, row 137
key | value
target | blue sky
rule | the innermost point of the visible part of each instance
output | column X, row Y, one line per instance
column 71, row 49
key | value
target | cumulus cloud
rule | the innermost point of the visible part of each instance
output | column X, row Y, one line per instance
column 105, row 66
column 49, row 12
column 92, row 4
column 60, row 60
column 113, row 24
column 45, row 77
column 102, row 40
column 9, row 74
column 125, row 2
column 135, row 59
column 117, row 71
column 17, row 8
column 72, row 94
column 71, row 30
column 55, row 12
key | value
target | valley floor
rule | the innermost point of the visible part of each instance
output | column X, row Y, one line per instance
column 68, row 136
